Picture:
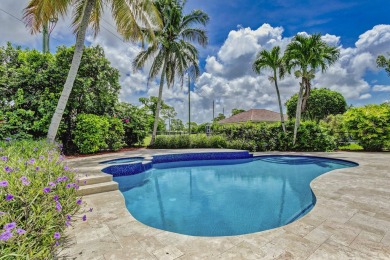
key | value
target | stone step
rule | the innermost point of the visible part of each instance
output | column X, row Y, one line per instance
column 97, row 188
column 94, row 179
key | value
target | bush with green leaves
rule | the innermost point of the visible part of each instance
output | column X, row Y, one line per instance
column 116, row 134
column 38, row 200
column 369, row 126
column 91, row 133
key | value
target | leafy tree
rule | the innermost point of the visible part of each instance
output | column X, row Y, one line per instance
column 307, row 54
column 194, row 126
column 127, row 15
column 273, row 60
column 236, row 111
column 219, row 117
column 369, row 125
column 177, row 125
column 173, row 55
column 151, row 105
column 321, row 103
column 382, row 62
column 168, row 114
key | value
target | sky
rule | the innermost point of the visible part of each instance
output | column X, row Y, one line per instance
column 237, row 31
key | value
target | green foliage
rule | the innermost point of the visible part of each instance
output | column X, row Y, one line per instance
column 26, row 168
column 177, row 125
column 135, row 123
column 351, row 147
column 335, row 125
column 256, row 137
column 91, row 133
column 236, row 111
column 32, row 82
column 116, row 134
column 219, row 117
column 369, row 125
column 150, row 105
column 321, row 103
column 382, row 62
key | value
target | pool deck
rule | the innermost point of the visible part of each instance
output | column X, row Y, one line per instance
column 351, row 220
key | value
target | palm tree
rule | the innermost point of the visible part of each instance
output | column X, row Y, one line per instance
column 173, row 55
column 131, row 16
column 307, row 54
column 271, row 59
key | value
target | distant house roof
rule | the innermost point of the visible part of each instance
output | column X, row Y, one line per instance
column 253, row 115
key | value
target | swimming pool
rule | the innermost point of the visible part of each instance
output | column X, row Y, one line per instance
column 225, row 197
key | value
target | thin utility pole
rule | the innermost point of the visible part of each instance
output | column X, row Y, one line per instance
column 189, row 105
column 213, row 110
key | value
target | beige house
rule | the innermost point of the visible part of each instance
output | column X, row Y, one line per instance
column 253, row 115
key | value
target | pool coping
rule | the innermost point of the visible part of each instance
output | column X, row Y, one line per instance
column 350, row 219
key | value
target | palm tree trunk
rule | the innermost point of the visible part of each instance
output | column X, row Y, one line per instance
column 306, row 96
column 298, row 113
column 78, row 52
column 156, row 117
column 280, row 103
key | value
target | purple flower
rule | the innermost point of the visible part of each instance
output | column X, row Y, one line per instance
column 84, row 217
column 9, row 197
column 58, row 206
column 4, row 158
column 3, row 183
column 37, row 168
column 68, row 217
column 57, row 244
column 55, row 197
column 20, row 231
column 25, row 181
column 57, row 235
column 6, row 235
column 32, row 161
column 66, row 168
column 67, row 186
column 10, row 226
column 8, row 139
column 67, row 223
column 46, row 189
column 8, row 169
column 85, row 182
column 52, row 184
column 90, row 209
column 41, row 157
column 61, row 158
column 79, row 201
column 35, row 149
column 2, row 213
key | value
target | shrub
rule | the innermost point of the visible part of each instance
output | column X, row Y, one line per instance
column 115, row 134
column 351, row 147
column 369, row 125
column 91, row 133
column 37, row 200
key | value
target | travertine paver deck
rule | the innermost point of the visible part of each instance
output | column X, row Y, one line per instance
column 351, row 220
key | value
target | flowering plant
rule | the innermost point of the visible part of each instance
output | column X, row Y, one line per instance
column 38, row 199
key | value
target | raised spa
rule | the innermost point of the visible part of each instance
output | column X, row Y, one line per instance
column 224, row 197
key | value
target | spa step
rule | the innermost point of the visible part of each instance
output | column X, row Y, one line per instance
column 97, row 188
column 84, row 181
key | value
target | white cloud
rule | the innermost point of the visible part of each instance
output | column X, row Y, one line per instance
column 365, row 96
column 381, row 88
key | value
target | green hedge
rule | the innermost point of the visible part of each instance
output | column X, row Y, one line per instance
column 370, row 126
column 37, row 200
column 255, row 137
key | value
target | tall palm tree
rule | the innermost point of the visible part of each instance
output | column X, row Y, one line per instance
column 271, row 59
column 307, row 54
column 130, row 16
column 173, row 55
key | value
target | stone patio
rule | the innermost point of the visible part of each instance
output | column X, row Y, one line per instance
column 351, row 220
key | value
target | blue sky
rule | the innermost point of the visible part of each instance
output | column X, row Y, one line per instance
column 237, row 31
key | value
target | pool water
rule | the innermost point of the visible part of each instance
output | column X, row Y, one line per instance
column 225, row 197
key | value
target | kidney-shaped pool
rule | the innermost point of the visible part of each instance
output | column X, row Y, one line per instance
column 225, row 197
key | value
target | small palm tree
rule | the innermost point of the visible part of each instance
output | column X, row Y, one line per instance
column 271, row 59
column 307, row 54
column 173, row 55
column 129, row 16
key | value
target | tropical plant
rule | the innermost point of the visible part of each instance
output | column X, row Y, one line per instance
column 307, row 54
column 273, row 60
column 128, row 16
column 173, row 55
column 382, row 62
column 321, row 103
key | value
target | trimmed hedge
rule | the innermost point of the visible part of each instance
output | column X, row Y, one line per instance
column 255, row 137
